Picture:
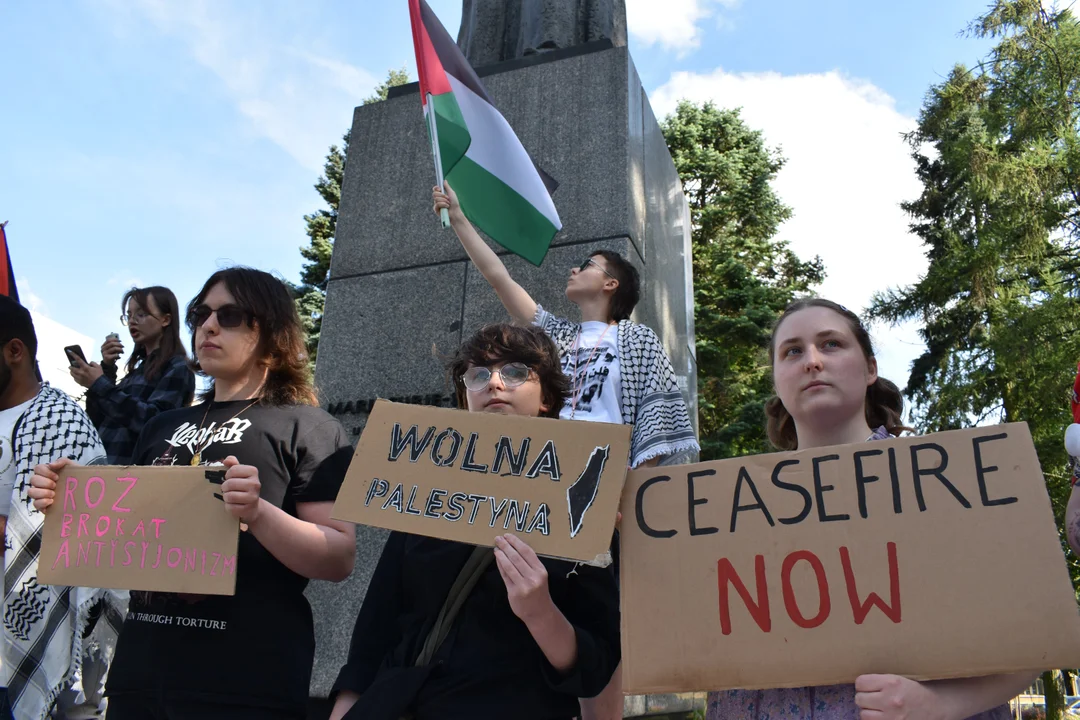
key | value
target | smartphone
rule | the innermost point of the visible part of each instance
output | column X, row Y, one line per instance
column 72, row 350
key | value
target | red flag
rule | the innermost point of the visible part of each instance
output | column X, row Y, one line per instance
column 7, row 274
column 1076, row 396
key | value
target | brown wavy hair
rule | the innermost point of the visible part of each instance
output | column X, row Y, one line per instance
column 502, row 343
column 281, row 348
column 171, row 344
column 884, row 403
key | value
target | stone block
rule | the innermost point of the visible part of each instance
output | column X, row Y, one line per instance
column 383, row 335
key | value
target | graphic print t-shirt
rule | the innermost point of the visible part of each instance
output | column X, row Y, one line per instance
column 257, row 647
column 593, row 368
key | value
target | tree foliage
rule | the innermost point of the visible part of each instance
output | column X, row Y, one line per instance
column 322, row 226
column 743, row 275
column 998, row 153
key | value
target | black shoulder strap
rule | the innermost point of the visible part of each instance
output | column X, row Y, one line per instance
column 478, row 562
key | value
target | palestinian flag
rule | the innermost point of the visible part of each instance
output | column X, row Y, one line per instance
column 7, row 274
column 500, row 188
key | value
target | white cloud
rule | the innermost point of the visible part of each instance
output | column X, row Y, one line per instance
column 52, row 339
column 27, row 297
column 674, row 24
column 848, row 170
column 294, row 97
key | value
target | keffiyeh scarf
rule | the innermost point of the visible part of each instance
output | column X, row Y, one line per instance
column 651, row 400
column 50, row 631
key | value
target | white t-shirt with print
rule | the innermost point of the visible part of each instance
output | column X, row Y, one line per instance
column 593, row 368
column 8, row 466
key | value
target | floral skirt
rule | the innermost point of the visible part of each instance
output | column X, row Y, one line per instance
column 830, row 702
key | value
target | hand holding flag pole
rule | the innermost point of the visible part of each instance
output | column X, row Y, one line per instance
column 433, row 127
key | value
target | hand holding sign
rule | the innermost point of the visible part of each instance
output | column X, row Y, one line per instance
column 137, row 528
column 525, row 577
column 241, row 491
column 43, row 483
column 892, row 697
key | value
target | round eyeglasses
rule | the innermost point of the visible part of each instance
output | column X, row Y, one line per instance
column 513, row 374
column 137, row 318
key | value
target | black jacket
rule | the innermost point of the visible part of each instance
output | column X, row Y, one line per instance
column 489, row 666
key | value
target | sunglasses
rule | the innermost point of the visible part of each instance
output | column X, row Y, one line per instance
column 513, row 374
column 228, row 316
column 589, row 261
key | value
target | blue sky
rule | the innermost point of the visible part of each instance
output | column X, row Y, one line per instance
column 153, row 141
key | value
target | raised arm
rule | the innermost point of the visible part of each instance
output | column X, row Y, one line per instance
column 518, row 303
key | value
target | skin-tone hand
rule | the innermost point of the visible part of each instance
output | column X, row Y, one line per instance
column 241, row 491
column 447, row 200
column 892, row 697
column 525, row 577
column 85, row 374
column 111, row 350
column 43, row 483
column 526, row 582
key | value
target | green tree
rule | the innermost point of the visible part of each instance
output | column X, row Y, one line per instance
column 743, row 275
column 998, row 152
column 321, row 226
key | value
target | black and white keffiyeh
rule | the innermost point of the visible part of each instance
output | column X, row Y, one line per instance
column 651, row 400
column 51, row 632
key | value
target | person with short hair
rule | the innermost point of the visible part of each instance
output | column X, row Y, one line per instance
column 57, row 641
column 247, row 656
column 619, row 371
column 158, row 377
column 531, row 636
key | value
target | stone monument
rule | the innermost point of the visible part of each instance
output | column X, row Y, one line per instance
column 402, row 293
column 494, row 31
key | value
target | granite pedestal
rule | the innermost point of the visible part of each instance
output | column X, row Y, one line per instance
column 402, row 293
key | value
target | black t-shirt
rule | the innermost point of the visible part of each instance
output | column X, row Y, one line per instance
column 257, row 647
column 489, row 667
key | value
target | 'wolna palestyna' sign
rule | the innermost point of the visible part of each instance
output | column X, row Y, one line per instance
column 471, row 476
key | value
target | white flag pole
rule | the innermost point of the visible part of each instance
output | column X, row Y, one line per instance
column 433, row 127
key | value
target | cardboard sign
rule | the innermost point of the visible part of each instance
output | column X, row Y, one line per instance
column 928, row 557
column 140, row 528
column 471, row 476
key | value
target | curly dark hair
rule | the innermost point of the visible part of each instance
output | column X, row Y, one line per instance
column 502, row 343
column 281, row 349
column 884, row 401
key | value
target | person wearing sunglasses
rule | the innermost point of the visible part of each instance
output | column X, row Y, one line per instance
column 530, row 637
column 248, row 656
column 618, row 369
column 157, row 378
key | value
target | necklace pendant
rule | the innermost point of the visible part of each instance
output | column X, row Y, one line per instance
column 195, row 459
